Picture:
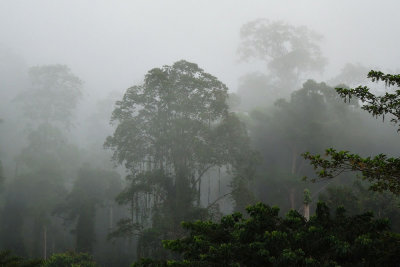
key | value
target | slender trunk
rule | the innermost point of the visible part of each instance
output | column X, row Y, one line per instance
column 137, row 208
column 307, row 211
column 132, row 210
column 294, row 160
column 292, row 194
column 111, row 218
column 219, row 181
column 293, row 190
column 45, row 242
column 209, row 189
column 199, row 193
column 53, row 245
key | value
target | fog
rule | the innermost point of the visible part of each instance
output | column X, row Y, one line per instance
column 112, row 45
column 276, row 112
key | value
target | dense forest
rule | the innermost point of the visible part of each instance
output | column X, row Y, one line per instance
column 180, row 170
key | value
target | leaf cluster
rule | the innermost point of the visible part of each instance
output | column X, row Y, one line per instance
column 7, row 259
column 170, row 131
column 70, row 259
column 389, row 103
column 382, row 171
column 266, row 239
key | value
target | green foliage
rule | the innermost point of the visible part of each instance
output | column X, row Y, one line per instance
column 170, row 131
column 70, row 259
column 358, row 199
column 265, row 239
column 312, row 118
column 382, row 171
column 169, row 118
column 307, row 196
column 7, row 259
column 389, row 103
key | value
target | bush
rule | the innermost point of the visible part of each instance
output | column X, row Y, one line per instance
column 266, row 239
column 70, row 259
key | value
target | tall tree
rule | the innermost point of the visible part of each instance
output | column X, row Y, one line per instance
column 312, row 118
column 288, row 51
column 48, row 105
column 170, row 131
column 52, row 96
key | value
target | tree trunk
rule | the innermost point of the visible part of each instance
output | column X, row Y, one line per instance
column 199, row 194
column 45, row 242
column 292, row 191
column 307, row 211
column 219, row 182
column 111, row 218
column 292, row 194
column 294, row 160
column 209, row 189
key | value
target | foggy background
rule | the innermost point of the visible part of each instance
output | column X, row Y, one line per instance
column 111, row 44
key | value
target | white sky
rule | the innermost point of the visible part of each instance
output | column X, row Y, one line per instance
column 112, row 44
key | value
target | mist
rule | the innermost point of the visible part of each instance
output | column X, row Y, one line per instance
column 84, row 86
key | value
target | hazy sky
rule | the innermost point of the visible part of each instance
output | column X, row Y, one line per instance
column 112, row 44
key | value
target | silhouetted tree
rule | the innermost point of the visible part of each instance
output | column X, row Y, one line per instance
column 170, row 131
column 288, row 51
column 52, row 96
column 310, row 119
column 46, row 161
